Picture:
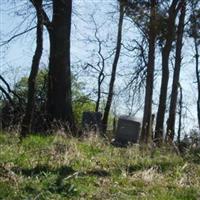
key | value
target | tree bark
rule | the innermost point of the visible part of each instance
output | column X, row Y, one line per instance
column 114, row 69
column 180, row 114
column 173, row 10
column 27, row 119
column 196, row 45
column 98, row 98
column 59, row 95
column 100, row 80
column 179, row 44
column 147, row 116
column 193, row 32
column 198, row 80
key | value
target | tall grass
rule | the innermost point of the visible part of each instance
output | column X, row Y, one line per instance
column 57, row 167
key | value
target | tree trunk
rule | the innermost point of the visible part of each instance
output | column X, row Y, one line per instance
column 198, row 80
column 98, row 97
column 59, row 96
column 27, row 119
column 100, row 80
column 114, row 68
column 147, row 116
column 179, row 44
column 197, row 68
column 194, row 34
column 165, row 72
column 180, row 114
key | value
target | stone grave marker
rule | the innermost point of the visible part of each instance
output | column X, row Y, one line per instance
column 128, row 130
column 91, row 121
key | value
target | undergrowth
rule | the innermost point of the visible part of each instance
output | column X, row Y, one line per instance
column 57, row 167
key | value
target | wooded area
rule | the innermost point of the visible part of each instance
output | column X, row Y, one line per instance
column 117, row 71
column 163, row 27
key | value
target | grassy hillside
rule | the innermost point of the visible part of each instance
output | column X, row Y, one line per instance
column 57, row 167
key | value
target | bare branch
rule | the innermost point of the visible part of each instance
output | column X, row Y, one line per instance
column 9, row 89
column 17, row 35
column 7, row 95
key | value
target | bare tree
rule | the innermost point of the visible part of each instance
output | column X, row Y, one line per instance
column 194, row 33
column 114, row 69
column 180, row 114
column 178, row 57
column 100, row 65
column 147, row 116
column 26, row 123
column 169, row 38
column 59, row 98
column 59, row 95
column 135, row 85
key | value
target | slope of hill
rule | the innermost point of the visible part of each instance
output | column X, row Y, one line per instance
column 56, row 167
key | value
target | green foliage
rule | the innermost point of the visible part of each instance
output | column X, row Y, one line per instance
column 55, row 167
column 80, row 101
column 21, row 87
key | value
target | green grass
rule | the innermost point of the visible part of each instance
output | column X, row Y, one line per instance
column 57, row 167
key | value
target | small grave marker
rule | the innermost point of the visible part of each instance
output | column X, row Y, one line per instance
column 128, row 130
column 91, row 121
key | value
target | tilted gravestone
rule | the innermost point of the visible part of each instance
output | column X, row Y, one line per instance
column 91, row 121
column 128, row 130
